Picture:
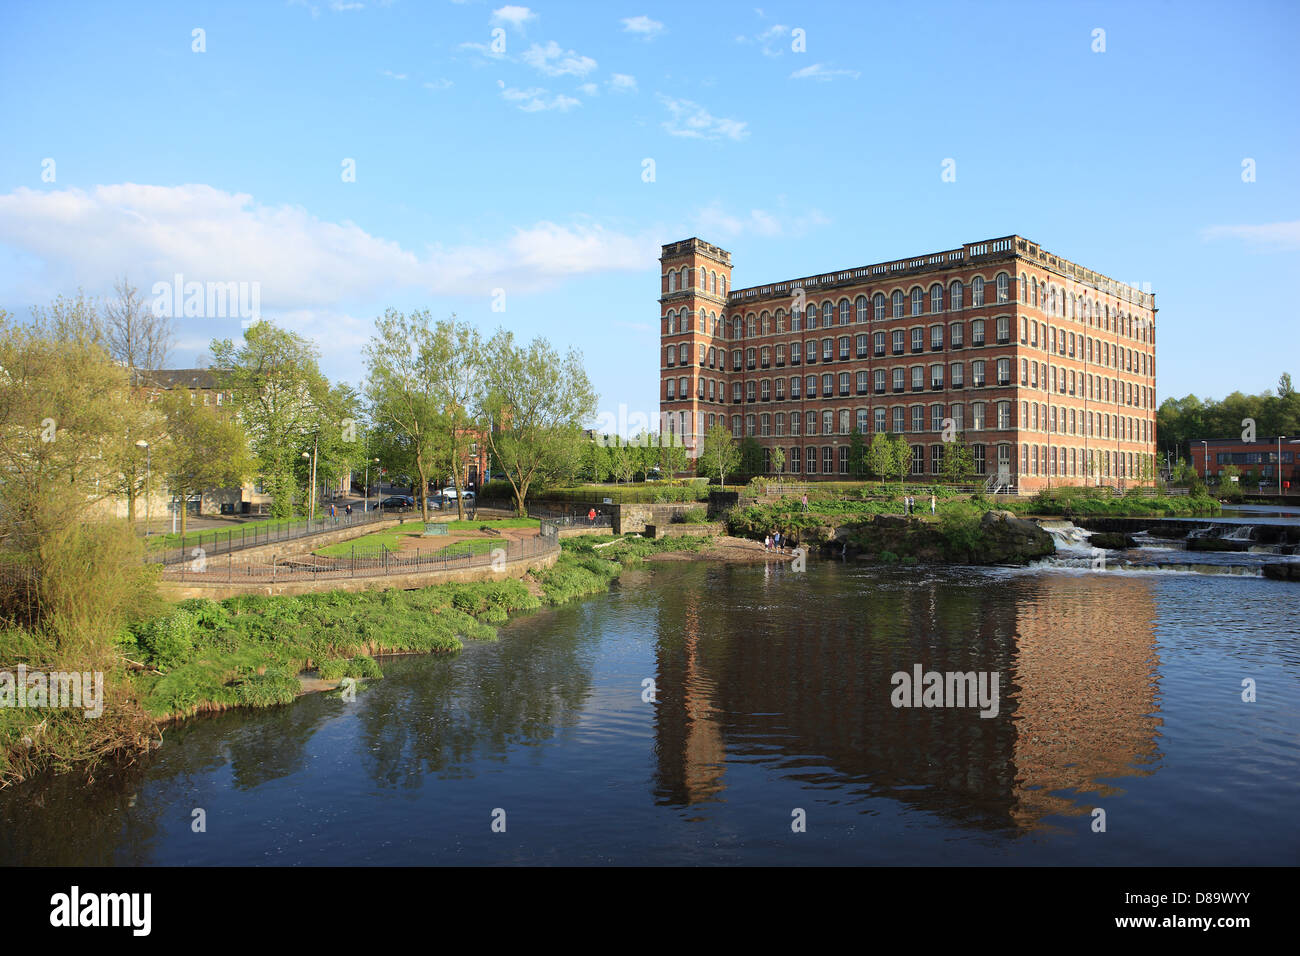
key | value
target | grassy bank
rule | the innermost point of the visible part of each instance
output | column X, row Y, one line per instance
column 199, row 655
column 788, row 515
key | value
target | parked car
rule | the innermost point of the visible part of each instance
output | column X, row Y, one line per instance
column 397, row 502
column 469, row 496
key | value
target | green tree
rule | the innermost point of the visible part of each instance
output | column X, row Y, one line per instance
column 751, row 456
column 536, row 402
column 901, row 458
column 958, row 465
column 880, row 456
column 673, row 457
column 456, row 366
column 206, row 448
column 720, row 454
column 778, row 460
column 283, row 400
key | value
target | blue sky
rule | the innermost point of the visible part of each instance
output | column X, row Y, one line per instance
column 522, row 169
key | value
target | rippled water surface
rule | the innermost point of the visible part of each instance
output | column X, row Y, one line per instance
column 1119, row 691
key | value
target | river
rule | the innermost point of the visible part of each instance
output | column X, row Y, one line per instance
column 1120, row 691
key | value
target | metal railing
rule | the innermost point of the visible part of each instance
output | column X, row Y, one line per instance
column 367, row 561
column 252, row 534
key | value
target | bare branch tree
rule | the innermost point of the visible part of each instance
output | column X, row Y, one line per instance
column 136, row 337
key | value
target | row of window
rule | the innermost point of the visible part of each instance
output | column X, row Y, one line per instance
column 1035, row 460
column 685, row 278
column 899, row 378
column 899, row 305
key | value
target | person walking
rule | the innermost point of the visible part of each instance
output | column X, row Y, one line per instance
column 333, row 516
column 931, row 503
column 776, row 540
column 591, row 515
column 767, row 542
column 805, row 501
column 348, row 509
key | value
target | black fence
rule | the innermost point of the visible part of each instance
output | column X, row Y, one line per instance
column 575, row 517
column 368, row 561
column 199, row 545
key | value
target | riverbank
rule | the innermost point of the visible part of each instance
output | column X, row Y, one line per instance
column 204, row 656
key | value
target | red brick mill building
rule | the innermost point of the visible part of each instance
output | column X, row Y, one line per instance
column 1045, row 367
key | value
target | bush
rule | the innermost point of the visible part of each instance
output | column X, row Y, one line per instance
column 694, row 516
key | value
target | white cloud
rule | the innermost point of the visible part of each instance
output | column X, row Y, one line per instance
column 622, row 83
column 513, row 16
column 554, row 60
column 819, row 71
column 771, row 41
column 393, row 76
column 1272, row 236
column 643, row 26
column 714, row 220
column 76, row 237
column 439, row 84
column 536, row 99
column 485, row 50
column 693, row 121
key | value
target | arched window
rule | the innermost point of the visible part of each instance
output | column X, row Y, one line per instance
column 936, row 298
column 861, row 305
column 735, row 327
column 955, row 295
column 713, row 282
column 672, row 281
column 879, row 304
column 845, row 312
column 828, row 313
column 765, row 323
column 1003, row 287
column 1024, row 291
column 977, row 292
column 898, row 303
column 918, row 301
column 1033, row 288
column 724, row 285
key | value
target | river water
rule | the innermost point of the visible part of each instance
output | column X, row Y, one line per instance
column 1120, row 691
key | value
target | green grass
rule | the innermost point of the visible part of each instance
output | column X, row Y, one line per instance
column 392, row 537
column 472, row 546
column 219, row 654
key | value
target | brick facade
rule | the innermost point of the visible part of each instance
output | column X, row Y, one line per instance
column 1040, row 364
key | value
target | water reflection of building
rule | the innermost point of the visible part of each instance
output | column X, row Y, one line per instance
column 797, row 678
column 1087, row 700
column 690, row 771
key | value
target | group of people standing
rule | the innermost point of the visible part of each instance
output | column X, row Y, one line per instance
column 775, row 542
column 909, row 505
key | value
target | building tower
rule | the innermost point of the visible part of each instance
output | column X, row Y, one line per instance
column 695, row 278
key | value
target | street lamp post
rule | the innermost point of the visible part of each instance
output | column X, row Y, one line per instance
column 369, row 462
column 311, row 497
column 148, row 475
column 1279, row 465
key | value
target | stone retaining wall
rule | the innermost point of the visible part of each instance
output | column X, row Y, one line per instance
column 220, row 590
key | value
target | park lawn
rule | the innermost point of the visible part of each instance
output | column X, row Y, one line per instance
column 392, row 537
column 471, row 546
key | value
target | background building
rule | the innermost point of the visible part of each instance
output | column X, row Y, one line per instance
column 1255, row 461
column 1046, row 368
